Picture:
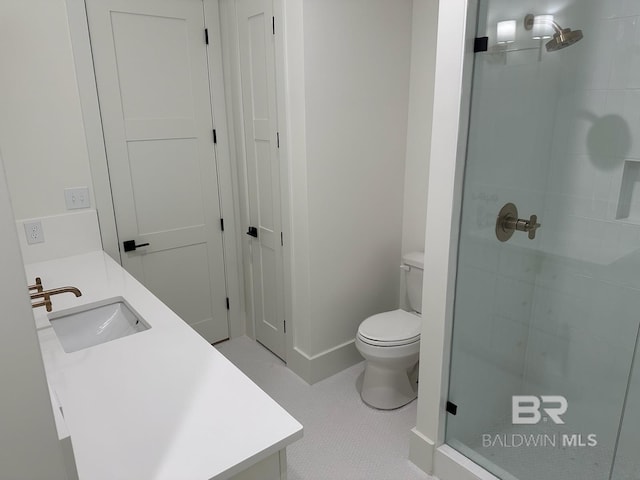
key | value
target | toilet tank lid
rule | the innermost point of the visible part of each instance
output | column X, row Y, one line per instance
column 414, row 259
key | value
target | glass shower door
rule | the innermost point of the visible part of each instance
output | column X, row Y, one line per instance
column 546, row 320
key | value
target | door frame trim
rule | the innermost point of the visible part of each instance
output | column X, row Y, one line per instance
column 289, row 93
column 89, row 104
column 457, row 26
column 231, row 69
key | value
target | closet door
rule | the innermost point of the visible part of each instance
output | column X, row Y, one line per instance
column 152, row 74
column 262, row 168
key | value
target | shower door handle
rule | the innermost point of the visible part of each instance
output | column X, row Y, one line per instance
column 508, row 222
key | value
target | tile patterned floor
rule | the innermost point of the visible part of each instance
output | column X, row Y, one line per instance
column 343, row 438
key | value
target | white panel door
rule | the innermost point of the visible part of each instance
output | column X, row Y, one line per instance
column 257, row 70
column 152, row 75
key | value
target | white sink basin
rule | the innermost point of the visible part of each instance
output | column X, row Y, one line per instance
column 96, row 324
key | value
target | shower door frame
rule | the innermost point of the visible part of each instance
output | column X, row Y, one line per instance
column 455, row 58
column 457, row 26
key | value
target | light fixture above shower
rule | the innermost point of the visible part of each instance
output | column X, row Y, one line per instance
column 544, row 26
column 506, row 32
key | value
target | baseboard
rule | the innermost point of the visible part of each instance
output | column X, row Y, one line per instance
column 445, row 462
column 421, row 451
column 318, row 367
column 450, row 464
column 64, row 235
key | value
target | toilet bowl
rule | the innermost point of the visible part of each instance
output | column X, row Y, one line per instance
column 390, row 344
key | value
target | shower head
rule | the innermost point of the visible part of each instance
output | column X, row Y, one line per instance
column 563, row 38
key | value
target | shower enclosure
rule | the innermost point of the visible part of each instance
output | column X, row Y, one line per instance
column 545, row 381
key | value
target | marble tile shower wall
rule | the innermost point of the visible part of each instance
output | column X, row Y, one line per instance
column 586, row 300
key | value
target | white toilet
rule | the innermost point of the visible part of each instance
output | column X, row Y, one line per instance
column 390, row 343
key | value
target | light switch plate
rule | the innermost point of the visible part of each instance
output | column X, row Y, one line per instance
column 34, row 232
column 77, row 198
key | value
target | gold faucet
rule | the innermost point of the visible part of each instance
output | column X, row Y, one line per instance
column 47, row 294
column 36, row 286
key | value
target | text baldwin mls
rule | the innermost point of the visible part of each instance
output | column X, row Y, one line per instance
column 519, row 440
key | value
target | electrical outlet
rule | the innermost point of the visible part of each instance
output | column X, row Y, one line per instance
column 34, row 232
column 77, row 198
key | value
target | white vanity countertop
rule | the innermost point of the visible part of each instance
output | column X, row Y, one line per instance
column 159, row 404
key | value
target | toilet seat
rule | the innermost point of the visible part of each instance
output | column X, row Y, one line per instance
column 390, row 329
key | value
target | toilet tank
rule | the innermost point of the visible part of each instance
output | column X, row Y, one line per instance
column 413, row 266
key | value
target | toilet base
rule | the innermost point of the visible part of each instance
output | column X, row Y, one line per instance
column 388, row 389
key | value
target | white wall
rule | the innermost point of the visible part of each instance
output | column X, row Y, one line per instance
column 423, row 53
column 41, row 130
column 30, row 446
column 357, row 57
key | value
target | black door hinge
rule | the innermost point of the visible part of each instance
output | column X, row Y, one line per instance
column 222, row 224
column 281, row 239
column 215, row 136
column 273, row 25
column 206, row 36
column 480, row 44
column 452, row 408
column 285, row 326
column 278, row 139
column 228, row 304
